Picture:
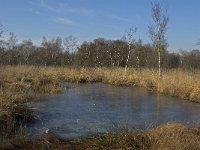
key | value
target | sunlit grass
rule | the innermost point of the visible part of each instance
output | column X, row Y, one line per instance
column 21, row 84
column 165, row 137
column 180, row 83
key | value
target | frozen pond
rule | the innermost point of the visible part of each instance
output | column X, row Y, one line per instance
column 91, row 108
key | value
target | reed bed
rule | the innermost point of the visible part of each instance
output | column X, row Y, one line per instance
column 21, row 84
column 165, row 137
column 180, row 83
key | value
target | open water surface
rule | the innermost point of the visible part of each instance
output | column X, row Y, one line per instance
column 91, row 108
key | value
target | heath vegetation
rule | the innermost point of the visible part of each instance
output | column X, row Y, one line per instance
column 20, row 84
column 28, row 72
column 168, row 136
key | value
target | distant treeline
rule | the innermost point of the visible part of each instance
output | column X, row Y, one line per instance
column 98, row 53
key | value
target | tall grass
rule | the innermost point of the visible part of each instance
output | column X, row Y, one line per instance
column 180, row 83
column 20, row 84
column 171, row 136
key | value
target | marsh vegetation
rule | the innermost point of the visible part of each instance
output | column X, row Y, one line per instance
column 20, row 84
column 29, row 72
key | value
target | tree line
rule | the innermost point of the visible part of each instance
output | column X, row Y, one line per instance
column 124, row 52
column 98, row 53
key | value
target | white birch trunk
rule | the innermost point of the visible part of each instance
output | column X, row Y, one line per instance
column 159, row 64
column 125, row 69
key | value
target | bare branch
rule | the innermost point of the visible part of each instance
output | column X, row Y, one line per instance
column 130, row 39
column 157, row 31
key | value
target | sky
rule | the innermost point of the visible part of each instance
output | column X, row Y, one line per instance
column 109, row 19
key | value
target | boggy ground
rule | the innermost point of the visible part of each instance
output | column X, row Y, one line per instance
column 20, row 84
column 171, row 136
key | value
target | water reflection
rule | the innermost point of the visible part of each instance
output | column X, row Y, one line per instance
column 91, row 108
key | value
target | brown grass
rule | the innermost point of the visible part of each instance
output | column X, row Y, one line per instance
column 171, row 136
column 20, row 84
column 180, row 83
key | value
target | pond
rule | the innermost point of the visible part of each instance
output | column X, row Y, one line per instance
column 91, row 108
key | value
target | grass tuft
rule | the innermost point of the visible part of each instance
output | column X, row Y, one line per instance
column 165, row 137
column 21, row 84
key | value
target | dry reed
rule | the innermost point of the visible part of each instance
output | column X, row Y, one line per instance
column 20, row 84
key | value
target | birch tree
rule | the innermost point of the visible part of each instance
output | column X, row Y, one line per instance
column 70, row 44
column 52, row 49
column 12, row 41
column 138, row 49
column 129, row 41
column 158, row 31
column 1, row 40
column 25, row 49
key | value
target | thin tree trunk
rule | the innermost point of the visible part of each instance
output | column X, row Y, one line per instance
column 138, row 62
column 159, row 65
column 130, row 35
column 111, row 62
column 125, row 70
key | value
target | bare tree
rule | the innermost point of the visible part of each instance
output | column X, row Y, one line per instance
column 12, row 41
column 70, row 44
column 129, row 41
column 158, row 30
column 1, row 32
column 52, row 48
column 138, row 49
column 25, row 48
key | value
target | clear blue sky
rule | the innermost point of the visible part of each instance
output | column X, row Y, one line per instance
column 89, row 19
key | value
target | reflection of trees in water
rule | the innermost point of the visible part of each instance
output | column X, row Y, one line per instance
column 133, row 105
column 111, row 95
column 128, row 104
column 173, row 109
column 157, row 108
column 92, row 108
